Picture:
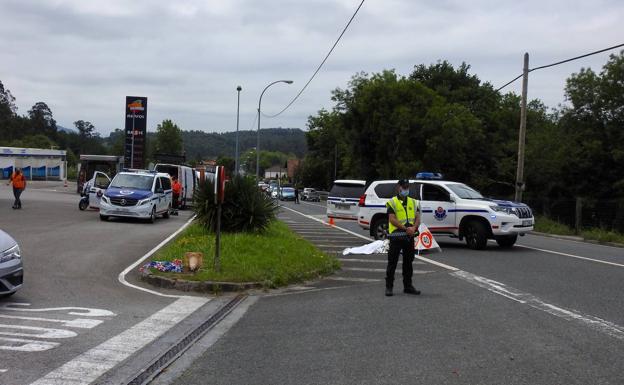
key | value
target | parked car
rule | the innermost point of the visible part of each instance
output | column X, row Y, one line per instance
column 287, row 194
column 342, row 202
column 137, row 195
column 11, row 269
column 310, row 194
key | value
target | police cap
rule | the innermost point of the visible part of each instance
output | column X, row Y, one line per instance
column 403, row 182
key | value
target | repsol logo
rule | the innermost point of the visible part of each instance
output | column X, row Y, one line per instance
column 135, row 116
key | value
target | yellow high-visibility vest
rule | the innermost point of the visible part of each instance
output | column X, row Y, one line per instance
column 404, row 215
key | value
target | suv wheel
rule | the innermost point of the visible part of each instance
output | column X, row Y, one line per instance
column 380, row 229
column 476, row 235
column 506, row 241
column 103, row 217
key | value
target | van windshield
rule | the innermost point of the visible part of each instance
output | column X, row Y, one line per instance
column 136, row 181
column 346, row 190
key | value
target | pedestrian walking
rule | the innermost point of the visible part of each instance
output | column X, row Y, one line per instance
column 19, row 184
column 296, row 195
column 403, row 221
column 177, row 190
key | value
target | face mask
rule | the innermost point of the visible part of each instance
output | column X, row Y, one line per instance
column 404, row 193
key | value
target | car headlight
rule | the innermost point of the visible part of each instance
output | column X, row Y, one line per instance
column 503, row 209
column 105, row 199
column 12, row 253
column 144, row 201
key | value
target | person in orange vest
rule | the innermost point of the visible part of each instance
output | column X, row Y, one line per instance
column 177, row 190
column 19, row 184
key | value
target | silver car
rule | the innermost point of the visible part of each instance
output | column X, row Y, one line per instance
column 11, row 270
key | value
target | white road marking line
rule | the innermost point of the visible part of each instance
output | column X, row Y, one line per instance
column 4, row 370
column 590, row 321
column 353, row 279
column 81, row 323
column 327, row 224
column 375, row 261
column 122, row 275
column 572, row 256
column 440, row 264
column 38, row 332
column 22, row 345
column 314, row 204
column 80, row 311
column 90, row 365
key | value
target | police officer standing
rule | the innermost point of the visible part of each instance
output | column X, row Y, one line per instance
column 403, row 221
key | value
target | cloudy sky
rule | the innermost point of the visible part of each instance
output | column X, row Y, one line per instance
column 83, row 57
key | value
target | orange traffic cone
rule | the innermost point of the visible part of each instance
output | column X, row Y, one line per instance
column 331, row 221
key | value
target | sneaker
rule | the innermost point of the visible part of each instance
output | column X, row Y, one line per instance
column 389, row 292
column 411, row 290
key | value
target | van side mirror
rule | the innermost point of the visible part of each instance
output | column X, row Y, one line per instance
column 159, row 191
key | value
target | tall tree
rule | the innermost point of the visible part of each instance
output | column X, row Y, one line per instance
column 42, row 121
column 169, row 138
column 86, row 131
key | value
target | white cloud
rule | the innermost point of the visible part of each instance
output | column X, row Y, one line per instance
column 187, row 57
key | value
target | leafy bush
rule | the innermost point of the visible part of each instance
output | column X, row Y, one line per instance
column 245, row 208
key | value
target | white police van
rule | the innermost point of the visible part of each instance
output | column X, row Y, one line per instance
column 140, row 194
column 449, row 208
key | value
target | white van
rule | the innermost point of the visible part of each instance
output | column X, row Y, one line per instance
column 343, row 198
column 187, row 177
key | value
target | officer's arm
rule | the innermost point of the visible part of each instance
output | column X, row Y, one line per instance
column 395, row 222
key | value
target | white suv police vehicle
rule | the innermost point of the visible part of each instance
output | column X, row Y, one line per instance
column 141, row 194
column 449, row 208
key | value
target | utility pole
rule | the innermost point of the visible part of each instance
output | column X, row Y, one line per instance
column 335, row 160
column 522, row 133
column 236, row 165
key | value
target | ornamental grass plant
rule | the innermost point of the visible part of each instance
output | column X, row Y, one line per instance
column 245, row 208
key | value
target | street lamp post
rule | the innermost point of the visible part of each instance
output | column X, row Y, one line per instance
column 258, row 135
column 238, row 89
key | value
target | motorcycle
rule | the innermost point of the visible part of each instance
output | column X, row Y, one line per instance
column 84, row 201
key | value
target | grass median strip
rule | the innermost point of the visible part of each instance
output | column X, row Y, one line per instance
column 275, row 258
column 547, row 225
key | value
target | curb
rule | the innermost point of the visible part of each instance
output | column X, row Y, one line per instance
column 576, row 238
column 198, row 286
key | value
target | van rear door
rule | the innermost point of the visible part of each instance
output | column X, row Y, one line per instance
column 342, row 202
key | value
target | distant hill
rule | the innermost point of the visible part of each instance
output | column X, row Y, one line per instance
column 203, row 145
column 65, row 129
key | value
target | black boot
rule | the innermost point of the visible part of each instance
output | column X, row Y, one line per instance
column 411, row 290
column 389, row 292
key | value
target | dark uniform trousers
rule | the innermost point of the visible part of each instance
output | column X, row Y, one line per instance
column 396, row 246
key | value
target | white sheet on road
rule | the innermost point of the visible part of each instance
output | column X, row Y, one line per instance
column 377, row 247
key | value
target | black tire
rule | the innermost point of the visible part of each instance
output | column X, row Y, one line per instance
column 152, row 217
column 166, row 214
column 379, row 229
column 103, row 217
column 506, row 241
column 476, row 235
column 7, row 295
column 83, row 204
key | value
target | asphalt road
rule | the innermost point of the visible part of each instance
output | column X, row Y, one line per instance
column 519, row 316
column 74, row 320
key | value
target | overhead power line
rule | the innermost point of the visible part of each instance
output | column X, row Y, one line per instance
column 320, row 65
column 561, row 62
